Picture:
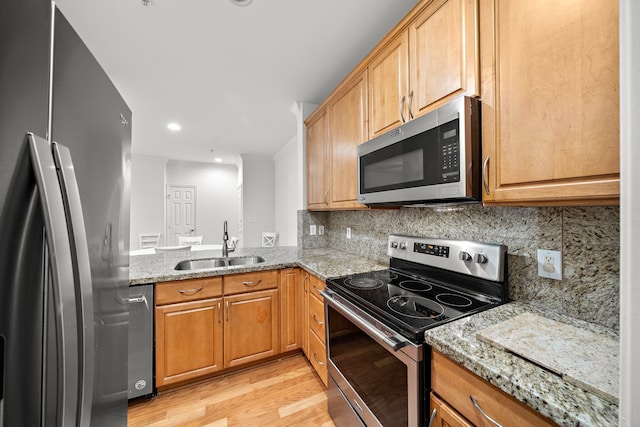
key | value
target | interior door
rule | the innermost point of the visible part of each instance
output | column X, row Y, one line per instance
column 181, row 212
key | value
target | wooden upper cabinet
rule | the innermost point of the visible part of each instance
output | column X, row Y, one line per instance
column 550, row 109
column 433, row 60
column 444, row 60
column 347, row 130
column 318, row 161
column 333, row 135
column 389, row 86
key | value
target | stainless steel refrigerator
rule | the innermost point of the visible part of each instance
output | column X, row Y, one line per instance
column 65, row 135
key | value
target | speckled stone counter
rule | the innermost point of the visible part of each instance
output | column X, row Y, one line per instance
column 542, row 390
column 323, row 263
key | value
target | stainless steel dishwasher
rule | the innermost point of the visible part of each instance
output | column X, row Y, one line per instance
column 140, row 341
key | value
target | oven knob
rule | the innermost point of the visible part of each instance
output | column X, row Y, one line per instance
column 394, row 245
column 403, row 246
column 464, row 256
column 480, row 259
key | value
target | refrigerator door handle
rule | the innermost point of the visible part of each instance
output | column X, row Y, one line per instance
column 61, row 272
column 83, row 283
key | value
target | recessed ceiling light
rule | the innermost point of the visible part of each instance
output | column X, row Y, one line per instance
column 241, row 2
column 174, row 127
column 217, row 160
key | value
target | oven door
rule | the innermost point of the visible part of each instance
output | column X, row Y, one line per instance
column 373, row 371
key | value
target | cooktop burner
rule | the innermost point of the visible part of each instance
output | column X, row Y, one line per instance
column 429, row 282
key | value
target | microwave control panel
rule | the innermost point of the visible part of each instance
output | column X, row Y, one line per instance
column 449, row 151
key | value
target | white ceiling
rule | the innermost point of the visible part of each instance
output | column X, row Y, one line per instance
column 229, row 75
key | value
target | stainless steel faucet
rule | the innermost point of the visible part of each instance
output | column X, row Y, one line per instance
column 225, row 239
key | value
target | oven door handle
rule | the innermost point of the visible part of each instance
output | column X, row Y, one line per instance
column 394, row 342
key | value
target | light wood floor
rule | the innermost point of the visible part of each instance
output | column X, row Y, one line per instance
column 285, row 392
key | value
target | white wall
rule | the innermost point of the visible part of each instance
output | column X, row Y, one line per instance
column 287, row 193
column 216, row 195
column 258, row 199
column 147, row 197
column 629, row 208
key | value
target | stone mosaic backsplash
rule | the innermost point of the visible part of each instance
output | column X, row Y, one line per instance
column 589, row 238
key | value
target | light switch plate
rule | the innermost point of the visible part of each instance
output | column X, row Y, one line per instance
column 348, row 232
column 321, row 230
column 312, row 229
column 550, row 264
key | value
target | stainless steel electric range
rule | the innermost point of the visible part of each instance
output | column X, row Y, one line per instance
column 378, row 362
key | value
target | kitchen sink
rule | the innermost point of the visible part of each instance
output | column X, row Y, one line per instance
column 197, row 264
column 245, row 260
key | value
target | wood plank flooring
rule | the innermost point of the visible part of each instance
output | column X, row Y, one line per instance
column 285, row 392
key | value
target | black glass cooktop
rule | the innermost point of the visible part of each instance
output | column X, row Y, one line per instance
column 407, row 303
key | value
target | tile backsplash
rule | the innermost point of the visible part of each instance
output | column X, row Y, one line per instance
column 589, row 238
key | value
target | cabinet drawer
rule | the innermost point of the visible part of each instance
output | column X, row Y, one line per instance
column 317, row 285
column 188, row 290
column 248, row 282
column 316, row 317
column 318, row 356
column 456, row 385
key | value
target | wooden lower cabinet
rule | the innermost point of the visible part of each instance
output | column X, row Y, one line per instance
column 318, row 356
column 188, row 340
column 250, row 327
column 201, row 329
column 291, row 300
column 456, row 386
column 443, row 415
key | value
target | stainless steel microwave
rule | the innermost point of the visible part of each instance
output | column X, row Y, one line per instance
column 432, row 159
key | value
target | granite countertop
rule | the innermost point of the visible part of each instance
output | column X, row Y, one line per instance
column 543, row 390
column 323, row 263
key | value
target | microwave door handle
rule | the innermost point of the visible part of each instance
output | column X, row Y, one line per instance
column 61, row 274
column 84, row 291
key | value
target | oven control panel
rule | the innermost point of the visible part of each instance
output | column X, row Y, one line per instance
column 430, row 249
column 479, row 259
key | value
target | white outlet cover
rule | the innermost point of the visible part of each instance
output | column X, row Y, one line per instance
column 312, row 229
column 550, row 264
column 321, row 229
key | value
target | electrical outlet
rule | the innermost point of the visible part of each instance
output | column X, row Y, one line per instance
column 312, row 229
column 348, row 232
column 550, row 264
column 321, row 230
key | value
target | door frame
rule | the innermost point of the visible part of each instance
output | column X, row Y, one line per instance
column 169, row 241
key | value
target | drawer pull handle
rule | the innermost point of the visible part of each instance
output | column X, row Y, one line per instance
column 227, row 304
column 433, row 417
column 252, row 284
column 317, row 321
column 316, row 288
column 484, row 414
column 190, row 291
column 321, row 363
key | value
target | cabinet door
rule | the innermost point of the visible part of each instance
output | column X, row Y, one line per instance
column 251, row 327
column 550, row 102
column 347, row 130
column 443, row 54
column 305, row 311
column 188, row 340
column 442, row 415
column 290, row 310
column 388, row 86
column 318, row 170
